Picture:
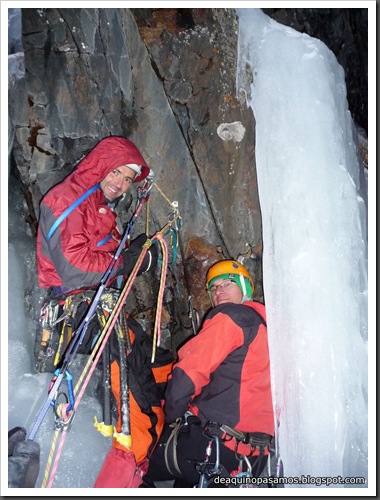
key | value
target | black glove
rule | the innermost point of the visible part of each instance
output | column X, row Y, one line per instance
column 132, row 253
column 23, row 459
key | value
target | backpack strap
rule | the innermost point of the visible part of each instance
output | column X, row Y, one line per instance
column 68, row 210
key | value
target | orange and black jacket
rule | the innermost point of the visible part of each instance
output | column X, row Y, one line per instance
column 223, row 373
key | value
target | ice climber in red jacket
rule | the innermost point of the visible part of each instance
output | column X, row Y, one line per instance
column 77, row 238
column 78, row 252
column 219, row 390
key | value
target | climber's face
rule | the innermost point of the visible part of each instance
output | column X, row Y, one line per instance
column 117, row 182
column 224, row 291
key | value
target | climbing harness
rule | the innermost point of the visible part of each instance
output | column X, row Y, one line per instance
column 52, row 341
column 257, row 441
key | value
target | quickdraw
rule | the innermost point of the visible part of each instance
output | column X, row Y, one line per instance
column 174, row 228
column 69, row 398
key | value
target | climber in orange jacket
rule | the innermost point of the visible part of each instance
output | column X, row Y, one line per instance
column 220, row 386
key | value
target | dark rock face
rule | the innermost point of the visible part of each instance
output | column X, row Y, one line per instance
column 164, row 78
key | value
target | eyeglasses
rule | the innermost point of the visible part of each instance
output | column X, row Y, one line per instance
column 223, row 286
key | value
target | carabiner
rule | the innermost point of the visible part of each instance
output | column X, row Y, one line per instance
column 70, row 390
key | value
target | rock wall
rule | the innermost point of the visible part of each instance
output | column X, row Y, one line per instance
column 164, row 78
column 166, row 81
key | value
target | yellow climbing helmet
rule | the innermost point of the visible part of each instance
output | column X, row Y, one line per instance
column 234, row 271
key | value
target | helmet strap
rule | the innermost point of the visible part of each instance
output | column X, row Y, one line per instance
column 243, row 286
column 243, row 289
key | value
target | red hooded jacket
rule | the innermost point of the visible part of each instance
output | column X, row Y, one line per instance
column 71, row 258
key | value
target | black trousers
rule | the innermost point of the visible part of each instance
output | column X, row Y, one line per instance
column 191, row 448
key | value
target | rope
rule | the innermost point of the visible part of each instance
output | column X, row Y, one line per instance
column 56, row 461
column 50, row 459
column 166, row 198
column 52, row 450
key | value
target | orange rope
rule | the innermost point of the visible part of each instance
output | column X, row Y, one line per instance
column 60, row 447
column 65, row 418
column 50, row 459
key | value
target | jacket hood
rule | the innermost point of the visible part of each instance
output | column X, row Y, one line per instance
column 108, row 154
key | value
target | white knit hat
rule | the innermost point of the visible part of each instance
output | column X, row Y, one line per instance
column 134, row 167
